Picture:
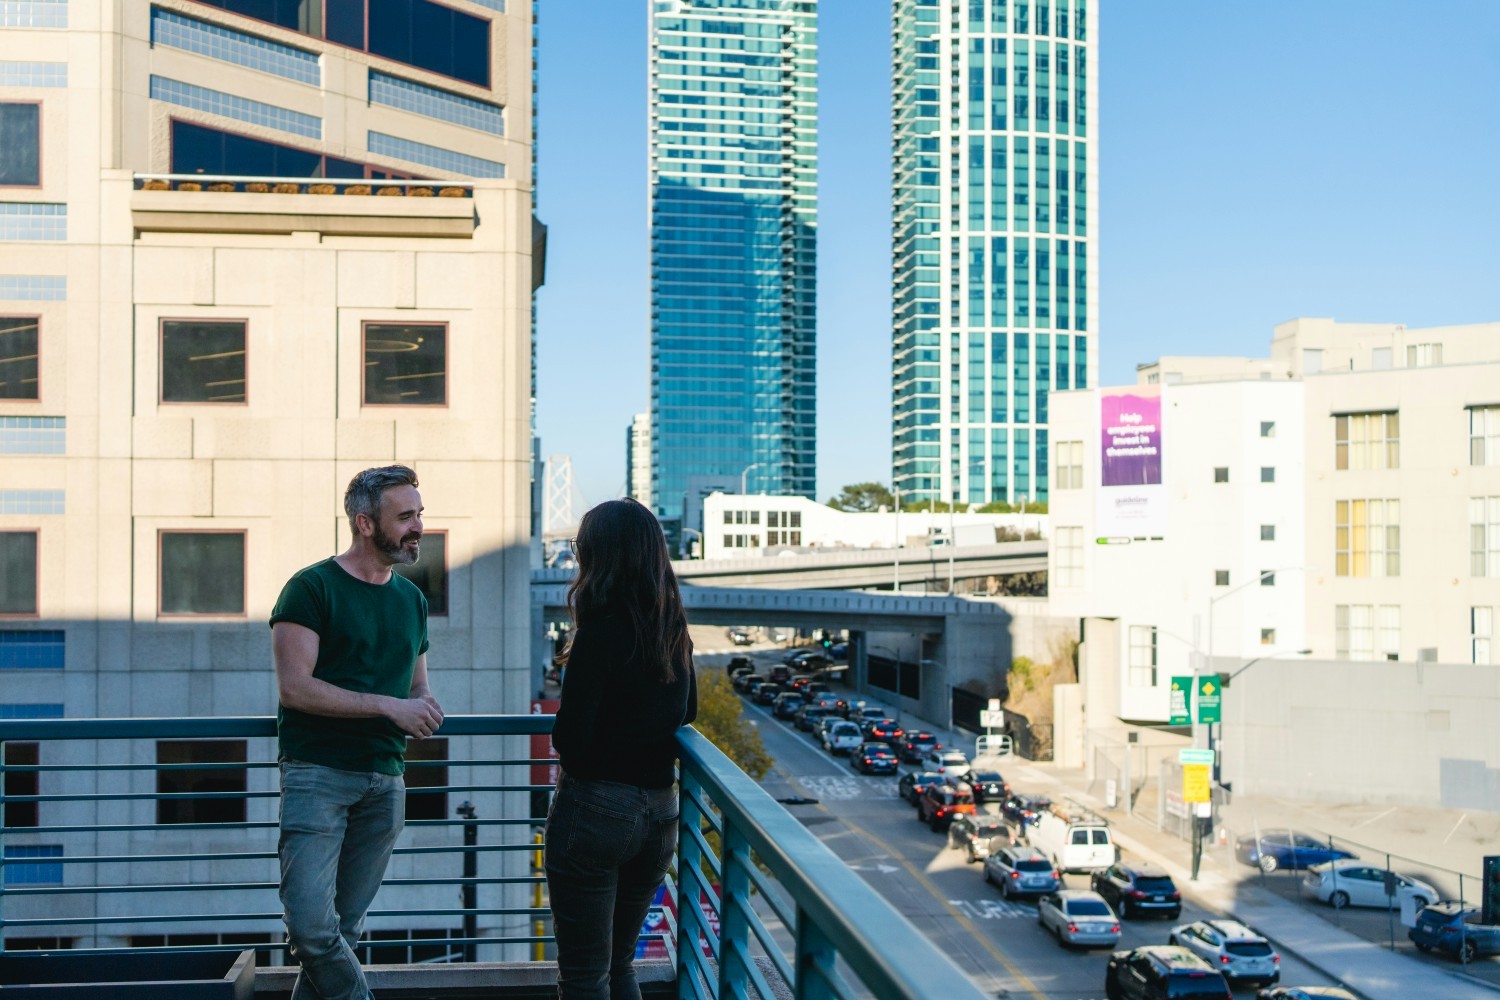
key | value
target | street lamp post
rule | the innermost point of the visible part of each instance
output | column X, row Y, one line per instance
column 745, row 472
column 896, row 552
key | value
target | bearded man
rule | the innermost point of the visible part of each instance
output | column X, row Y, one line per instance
column 349, row 637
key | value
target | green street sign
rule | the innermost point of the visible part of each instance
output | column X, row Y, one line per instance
column 1190, row 755
column 1182, row 696
column 1208, row 700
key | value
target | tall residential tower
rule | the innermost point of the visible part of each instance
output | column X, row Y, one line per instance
column 994, row 248
column 733, row 223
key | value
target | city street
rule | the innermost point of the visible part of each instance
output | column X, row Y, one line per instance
column 997, row 942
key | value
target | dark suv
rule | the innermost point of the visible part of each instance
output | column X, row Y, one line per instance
column 915, row 746
column 938, row 804
column 1138, row 890
column 1163, row 972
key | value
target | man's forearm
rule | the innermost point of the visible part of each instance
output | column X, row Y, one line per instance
column 317, row 697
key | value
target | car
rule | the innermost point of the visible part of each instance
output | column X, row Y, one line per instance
column 887, row 726
column 737, row 663
column 914, row 746
column 753, row 686
column 740, row 636
column 1023, row 810
column 1021, row 871
column 787, row 704
column 793, row 655
column 939, row 803
column 816, row 688
column 839, row 651
column 1304, row 993
column 972, row 833
column 873, row 758
column 824, row 723
column 1350, row 882
column 1242, row 955
column 744, row 678
column 807, row 716
column 945, row 761
column 799, row 681
column 1160, row 972
column 840, row 737
column 1078, row 917
column 863, row 711
column 1286, row 849
column 766, row 692
column 914, row 783
column 1138, row 890
column 812, row 661
column 781, row 673
column 1454, row 928
column 988, row 785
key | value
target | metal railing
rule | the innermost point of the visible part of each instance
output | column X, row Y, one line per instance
column 302, row 185
column 753, row 895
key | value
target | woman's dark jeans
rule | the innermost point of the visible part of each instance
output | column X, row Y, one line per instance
column 608, row 847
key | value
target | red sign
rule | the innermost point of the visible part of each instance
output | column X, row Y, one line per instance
column 541, row 745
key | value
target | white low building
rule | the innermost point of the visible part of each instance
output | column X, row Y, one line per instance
column 739, row 526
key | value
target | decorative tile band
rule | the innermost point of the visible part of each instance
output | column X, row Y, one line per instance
column 242, row 108
column 33, row 435
column 30, row 502
column 24, row 220
column 172, row 29
column 33, row 13
column 460, row 164
column 33, row 74
column 33, row 287
column 32, row 649
column 433, row 103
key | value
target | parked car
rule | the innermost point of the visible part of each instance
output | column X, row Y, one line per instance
column 753, row 686
column 1350, row 882
column 808, row 716
column 1304, row 993
column 1286, row 849
column 766, row 692
column 946, row 761
column 787, row 704
column 939, row 803
column 1023, row 810
column 1138, row 890
column 973, row 832
column 840, row 737
column 913, row 783
column 1242, row 955
column 914, row 746
column 1078, row 917
column 1162, row 972
column 988, row 785
column 1021, row 871
column 1454, row 928
column 873, row 758
column 1075, row 838
column 743, row 679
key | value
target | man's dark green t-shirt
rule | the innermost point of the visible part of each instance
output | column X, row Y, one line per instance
column 369, row 638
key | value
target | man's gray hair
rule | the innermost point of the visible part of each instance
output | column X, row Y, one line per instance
column 366, row 489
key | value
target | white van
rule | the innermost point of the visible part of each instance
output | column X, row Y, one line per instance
column 1075, row 837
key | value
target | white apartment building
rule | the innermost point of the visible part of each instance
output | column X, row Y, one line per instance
column 242, row 258
column 741, row 526
column 638, row 458
column 1358, row 469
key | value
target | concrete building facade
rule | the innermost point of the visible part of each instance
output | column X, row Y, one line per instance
column 638, row 458
column 214, row 309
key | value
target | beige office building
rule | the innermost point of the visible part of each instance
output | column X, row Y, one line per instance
column 245, row 252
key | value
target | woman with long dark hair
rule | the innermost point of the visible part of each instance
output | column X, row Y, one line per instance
column 628, row 686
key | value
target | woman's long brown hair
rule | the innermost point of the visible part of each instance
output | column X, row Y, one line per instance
column 623, row 565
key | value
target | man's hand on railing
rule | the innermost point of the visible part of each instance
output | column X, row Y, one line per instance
column 417, row 717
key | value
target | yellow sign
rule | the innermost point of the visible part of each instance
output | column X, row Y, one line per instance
column 1196, row 785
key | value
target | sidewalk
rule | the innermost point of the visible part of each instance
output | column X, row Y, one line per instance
column 1364, row 966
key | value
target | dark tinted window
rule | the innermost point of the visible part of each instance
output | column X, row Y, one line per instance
column 200, row 780
column 17, row 755
column 1203, row 986
column 1248, row 949
column 202, row 361
column 1033, row 866
column 18, row 572
column 433, row 37
column 19, row 341
column 299, row 15
column 420, row 774
column 204, row 150
column 987, row 776
column 202, row 573
column 20, row 145
column 1151, row 883
column 430, row 572
column 1087, row 908
column 406, row 364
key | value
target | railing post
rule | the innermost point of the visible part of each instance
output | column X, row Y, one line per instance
column 469, row 895
column 734, row 926
column 689, row 917
column 815, row 959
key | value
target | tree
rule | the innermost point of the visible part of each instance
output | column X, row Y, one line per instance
column 720, row 720
column 863, row 497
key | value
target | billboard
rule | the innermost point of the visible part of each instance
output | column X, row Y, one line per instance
column 1132, row 502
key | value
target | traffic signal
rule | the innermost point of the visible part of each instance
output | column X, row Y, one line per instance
column 827, row 643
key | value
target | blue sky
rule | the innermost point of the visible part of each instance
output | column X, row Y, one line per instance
column 1257, row 163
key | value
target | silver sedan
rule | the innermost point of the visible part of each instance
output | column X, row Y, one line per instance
column 1078, row 917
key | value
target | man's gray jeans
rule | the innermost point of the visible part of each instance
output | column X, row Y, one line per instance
column 337, row 832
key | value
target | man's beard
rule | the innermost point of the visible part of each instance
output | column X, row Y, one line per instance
column 395, row 549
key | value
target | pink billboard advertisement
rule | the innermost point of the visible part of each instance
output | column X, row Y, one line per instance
column 1132, row 500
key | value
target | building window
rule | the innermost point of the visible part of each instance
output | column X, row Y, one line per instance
column 1481, row 631
column 20, row 340
column 216, row 42
column 20, row 144
column 18, row 574
column 1142, row 656
column 216, row 102
column 201, row 573
column 21, row 220
column 1069, row 557
column 1484, row 536
column 1390, row 631
column 1367, row 537
column 1268, row 637
column 33, row 13
column 20, row 782
column 1268, row 428
column 1424, row 355
column 1268, row 474
column 430, row 572
column 198, row 779
column 446, row 160
column 1268, row 578
column 33, row 435
column 426, row 768
column 1221, row 474
column 729, row 517
column 32, row 865
column 1353, row 637
column 1268, row 532
column 406, row 364
column 33, row 502
column 1484, row 435
column 34, row 287
column 1221, row 578
column 203, row 361
column 196, row 149
column 1367, row 441
column 32, row 649
column 1069, row 472
column 433, row 103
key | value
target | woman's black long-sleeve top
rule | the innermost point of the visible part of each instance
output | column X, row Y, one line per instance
column 618, row 720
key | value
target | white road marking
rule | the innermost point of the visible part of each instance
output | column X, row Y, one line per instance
column 990, row 909
column 877, row 867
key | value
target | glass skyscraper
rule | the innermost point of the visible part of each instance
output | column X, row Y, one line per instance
column 733, row 245
column 994, row 247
